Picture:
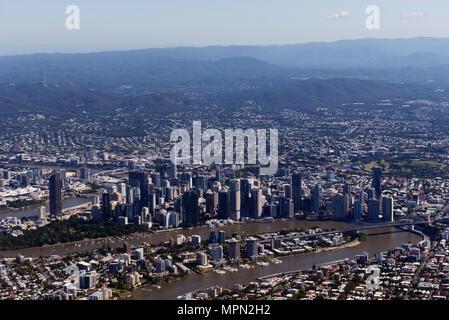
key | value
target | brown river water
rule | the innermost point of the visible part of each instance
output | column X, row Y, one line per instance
column 377, row 240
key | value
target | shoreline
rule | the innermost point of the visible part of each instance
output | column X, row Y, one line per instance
column 10, row 210
column 353, row 243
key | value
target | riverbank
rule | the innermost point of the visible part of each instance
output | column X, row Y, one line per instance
column 377, row 241
column 157, row 238
column 353, row 243
column 33, row 211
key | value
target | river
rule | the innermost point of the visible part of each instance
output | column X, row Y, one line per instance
column 377, row 240
column 34, row 211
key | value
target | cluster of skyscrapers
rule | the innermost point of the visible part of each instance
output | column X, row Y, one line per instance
column 377, row 207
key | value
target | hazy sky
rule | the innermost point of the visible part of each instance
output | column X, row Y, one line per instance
column 36, row 26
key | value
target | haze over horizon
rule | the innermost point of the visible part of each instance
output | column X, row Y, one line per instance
column 81, row 49
column 108, row 25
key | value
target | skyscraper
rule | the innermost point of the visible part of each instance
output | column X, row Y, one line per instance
column 211, row 203
column 235, row 198
column 190, row 207
column 85, row 174
column 234, row 249
column 245, row 191
column 377, row 182
column 387, row 209
column 55, row 186
column 297, row 191
column 216, row 252
column 221, row 236
column 373, row 209
column 357, row 210
column 186, row 177
column 339, row 207
column 224, row 204
column 106, row 206
column 201, row 182
column 286, row 208
column 156, row 179
column 256, row 203
column 252, row 247
column 317, row 197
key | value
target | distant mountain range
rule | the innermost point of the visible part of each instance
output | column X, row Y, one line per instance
column 162, row 81
column 153, row 70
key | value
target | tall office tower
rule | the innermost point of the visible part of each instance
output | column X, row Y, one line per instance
column 135, row 178
column 362, row 197
column 144, row 194
column 25, row 181
column 186, row 177
column 252, row 247
column 201, row 259
column 85, row 174
column 201, row 182
column 317, row 197
column 220, row 177
column 106, row 206
column 6, row 175
column 122, row 189
column 273, row 210
column 163, row 170
column 156, row 179
column 190, row 207
column 347, row 201
column 339, row 207
column 256, row 203
column 224, row 204
column 347, row 189
column 63, row 177
column 234, row 249
column 377, row 181
column 286, row 208
column 55, row 186
column 297, row 191
column 235, row 199
column 216, row 252
column 211, row 203
column 387, row 209
column 115, row 196
column 95, row 200
column 129, row 212
column 373, row 210
column 169, row 194
column 42, row 212
column 357, row 210
column 213, row 237
column 221, row 236
column 245, row 192
column 288, row 190
column 172, row 171
column 371, row 193
column 196, row 240
column 130, row 194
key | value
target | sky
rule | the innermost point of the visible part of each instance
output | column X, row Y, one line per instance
column 29, row 26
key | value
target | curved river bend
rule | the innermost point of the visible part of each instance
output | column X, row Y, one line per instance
column 377, row 240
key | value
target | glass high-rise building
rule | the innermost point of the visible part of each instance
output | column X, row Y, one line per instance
column 55, row 186
column 377, row 182
column 297, row 191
